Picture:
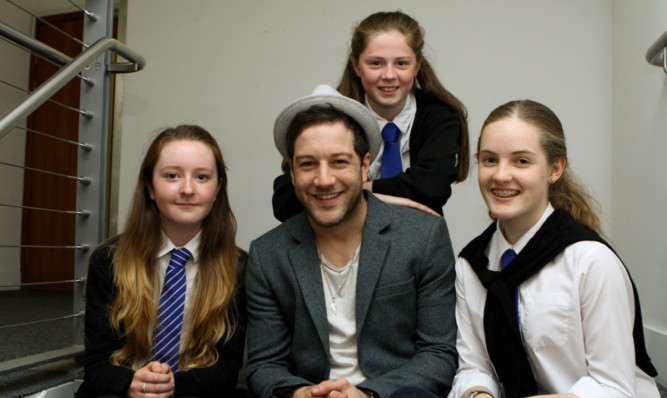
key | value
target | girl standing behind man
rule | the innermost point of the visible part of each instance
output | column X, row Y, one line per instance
column 387, row 71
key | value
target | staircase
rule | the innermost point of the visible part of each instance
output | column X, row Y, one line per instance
column 23, row 371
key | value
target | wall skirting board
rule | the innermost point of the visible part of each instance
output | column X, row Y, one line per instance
column 656, row 345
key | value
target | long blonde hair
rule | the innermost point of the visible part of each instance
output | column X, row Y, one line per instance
column 567, row 192
column 380, row 22
column 134, row 308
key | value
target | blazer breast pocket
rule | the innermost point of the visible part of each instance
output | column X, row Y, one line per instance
column 395, row 289
column 547, row 319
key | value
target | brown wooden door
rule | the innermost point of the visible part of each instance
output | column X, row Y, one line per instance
column 44, row 190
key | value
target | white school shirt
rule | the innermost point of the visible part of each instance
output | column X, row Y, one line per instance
column 576, row 320
column 403, row 121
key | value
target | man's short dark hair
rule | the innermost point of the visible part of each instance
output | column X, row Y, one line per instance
column 322, row 114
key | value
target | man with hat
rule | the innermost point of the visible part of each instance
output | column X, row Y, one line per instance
column 353, row 297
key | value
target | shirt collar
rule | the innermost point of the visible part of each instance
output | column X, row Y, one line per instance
column 403, row 119
column 502, row 243
column 192, row 246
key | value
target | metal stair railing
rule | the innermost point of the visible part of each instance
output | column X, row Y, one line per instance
column 73, row 67
column 94, row 67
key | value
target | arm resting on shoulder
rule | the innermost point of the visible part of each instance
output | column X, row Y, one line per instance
column 433, row 154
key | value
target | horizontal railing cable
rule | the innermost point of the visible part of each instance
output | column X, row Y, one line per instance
column 77, row 315
column 80, row 280
column 77, row 247
column 74, row 39
column 89, row 14
column 83, row 180
column 81, row 145
column 82, row 112
column 81, row 213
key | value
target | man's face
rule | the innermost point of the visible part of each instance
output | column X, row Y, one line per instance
column 328, row 174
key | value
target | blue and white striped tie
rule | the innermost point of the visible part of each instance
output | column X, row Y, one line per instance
column 170, row 310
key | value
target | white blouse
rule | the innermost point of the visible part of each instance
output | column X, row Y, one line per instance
column 576, row 321
column 404, row 122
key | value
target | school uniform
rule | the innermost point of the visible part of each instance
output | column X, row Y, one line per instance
column 575, row 317
column 103, row 378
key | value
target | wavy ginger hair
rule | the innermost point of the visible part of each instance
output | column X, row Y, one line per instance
column 567, row 192
column 135, row 265
column 427, row 81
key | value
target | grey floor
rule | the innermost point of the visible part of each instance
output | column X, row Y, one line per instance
column 24, row 307
column 18, row 307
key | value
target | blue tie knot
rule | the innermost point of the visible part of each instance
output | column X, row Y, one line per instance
column 179, row 256
column 390, row 132
column 507, row 258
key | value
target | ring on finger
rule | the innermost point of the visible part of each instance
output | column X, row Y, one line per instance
column 143, row 388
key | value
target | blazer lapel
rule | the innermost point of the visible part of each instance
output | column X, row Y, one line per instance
column 374, row 250
column 305, row 263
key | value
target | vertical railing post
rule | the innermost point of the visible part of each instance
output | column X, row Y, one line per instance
column 90, row 231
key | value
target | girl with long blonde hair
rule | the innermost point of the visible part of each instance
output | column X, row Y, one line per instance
column 179, row 239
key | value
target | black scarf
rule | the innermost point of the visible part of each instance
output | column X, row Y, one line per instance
column 503, row 339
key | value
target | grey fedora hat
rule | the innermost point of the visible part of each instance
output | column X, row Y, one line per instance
column 327, row 95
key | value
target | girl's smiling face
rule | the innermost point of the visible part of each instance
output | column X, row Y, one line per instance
column 514, row 174
column 387, row 69
column 184, row 186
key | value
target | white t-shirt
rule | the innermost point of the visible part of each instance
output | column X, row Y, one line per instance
column 340, row 286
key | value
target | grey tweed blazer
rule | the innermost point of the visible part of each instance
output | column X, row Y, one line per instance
column 405, row 304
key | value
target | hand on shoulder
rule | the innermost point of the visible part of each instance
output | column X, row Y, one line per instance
column 405, row 202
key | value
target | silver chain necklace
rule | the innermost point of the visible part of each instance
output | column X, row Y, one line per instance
column 326, row 279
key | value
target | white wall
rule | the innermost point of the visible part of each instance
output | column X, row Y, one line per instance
column 233, row 66
column 639, row 184
column 12, row 145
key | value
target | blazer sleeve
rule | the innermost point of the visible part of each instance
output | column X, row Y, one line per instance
column 434, row 147
column 100, row 376
column 222, row 376
column 284, row 200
